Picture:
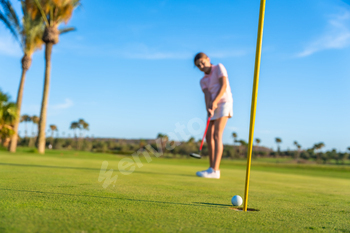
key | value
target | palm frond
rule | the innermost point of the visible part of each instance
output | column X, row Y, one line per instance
column 76, row 3
column 8, row 114
column 65, row 30
column 53, row 12
column 10, row 27
column 11, row 14
column 33, row 29
column 44, row 17
column 32, row 33
column 65, row 10
column 3, row 98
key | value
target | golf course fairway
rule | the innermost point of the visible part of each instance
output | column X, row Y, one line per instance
column 60, row 192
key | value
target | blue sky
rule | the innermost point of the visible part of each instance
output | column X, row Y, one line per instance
column 128, row 69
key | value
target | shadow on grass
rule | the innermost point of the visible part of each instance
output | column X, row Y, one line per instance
column 212, row 204
column 86, row 168
column 230, row 206
column 200, row 204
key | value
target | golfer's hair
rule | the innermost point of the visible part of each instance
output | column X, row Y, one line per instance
column 199, row 56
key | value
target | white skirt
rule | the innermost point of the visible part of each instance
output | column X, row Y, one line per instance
column 223, row 110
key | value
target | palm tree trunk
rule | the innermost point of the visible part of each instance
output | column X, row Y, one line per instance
column 26, row 62
column 298, row 155
column 76, row 139
column 32, row 137
column 37, row 135
column 43, row 112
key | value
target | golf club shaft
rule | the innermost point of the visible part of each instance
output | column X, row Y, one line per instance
column 205, row 133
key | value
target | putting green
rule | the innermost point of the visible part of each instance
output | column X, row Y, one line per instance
column 60, row 192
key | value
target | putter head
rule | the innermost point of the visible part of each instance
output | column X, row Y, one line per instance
column 196, row 156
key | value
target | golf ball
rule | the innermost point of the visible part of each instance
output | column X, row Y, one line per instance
column 236, row 200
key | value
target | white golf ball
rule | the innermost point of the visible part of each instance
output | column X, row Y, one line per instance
column 236, row 200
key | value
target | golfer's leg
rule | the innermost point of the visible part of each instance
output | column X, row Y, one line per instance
column 211, row 143
column 219, row 147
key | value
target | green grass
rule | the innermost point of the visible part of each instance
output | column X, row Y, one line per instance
column 60, row 192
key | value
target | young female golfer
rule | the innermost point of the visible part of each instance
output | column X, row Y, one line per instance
column 219, row 103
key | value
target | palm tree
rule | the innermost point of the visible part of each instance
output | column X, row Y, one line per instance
column 257, row 140
column 191, row 140
column 83, row 125
column 243, row 145
column 74, row 126
column 234, row 135
column 86, row 126
column 53, row 13
column 53, row 128
column 8, row 116
column 28, row 33
column 278, row 141
column 25, row 118
column 31, row 120
column 296, row 144
column 318, row 146
column 299, row 147
column 298, row 150
column 35, row 120
column 164, row 139
column 81, row 122
column 321, row 145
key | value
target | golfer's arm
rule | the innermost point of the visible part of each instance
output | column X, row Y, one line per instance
column 207, row 97
column 223, row 84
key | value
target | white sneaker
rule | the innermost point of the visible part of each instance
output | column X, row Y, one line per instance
column 208, row 170
column 210, row 173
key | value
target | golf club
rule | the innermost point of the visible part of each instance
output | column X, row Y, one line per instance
column 198, row 156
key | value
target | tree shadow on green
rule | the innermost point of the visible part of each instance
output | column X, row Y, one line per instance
column 88, row 168
column 199, row 204
column 212, row 204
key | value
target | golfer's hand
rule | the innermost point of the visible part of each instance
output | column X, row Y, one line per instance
column 210, row 109
column 214, row 106
column 210, row 112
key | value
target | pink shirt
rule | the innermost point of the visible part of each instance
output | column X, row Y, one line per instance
column 211, row 81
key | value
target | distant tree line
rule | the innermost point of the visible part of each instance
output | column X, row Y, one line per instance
column 183, row 149
column 8, row 116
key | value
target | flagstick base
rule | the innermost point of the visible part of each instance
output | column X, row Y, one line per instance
column 241, row 209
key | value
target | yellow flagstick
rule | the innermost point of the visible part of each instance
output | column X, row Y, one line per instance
column 254, row 99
